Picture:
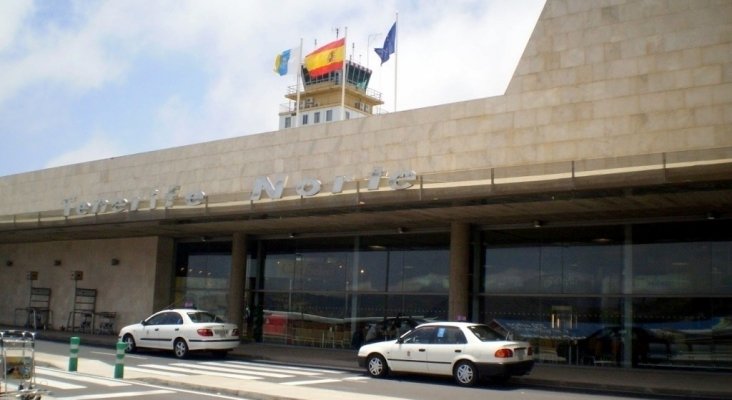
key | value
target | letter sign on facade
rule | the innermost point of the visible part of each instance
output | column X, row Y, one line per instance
column 274, row 190
column 402, row 180
column 195, row 198
column 120, row 205
column 308, row 187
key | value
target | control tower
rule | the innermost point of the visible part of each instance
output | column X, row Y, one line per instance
column 320, row 100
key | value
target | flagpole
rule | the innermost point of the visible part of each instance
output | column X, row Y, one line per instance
column 396, row 57
column 297, row 86
column 343, row 75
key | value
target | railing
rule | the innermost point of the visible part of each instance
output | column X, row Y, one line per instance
column 325, row 83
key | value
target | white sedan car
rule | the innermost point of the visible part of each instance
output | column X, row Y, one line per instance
column 181, row 330
column 464, row 350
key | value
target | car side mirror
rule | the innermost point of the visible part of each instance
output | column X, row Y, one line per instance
column 143, row 322
column 400, row 340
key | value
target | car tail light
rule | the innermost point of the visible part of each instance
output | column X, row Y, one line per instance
column 235, row 332
column 205, row 332
column 530, row 351
column 504, row 353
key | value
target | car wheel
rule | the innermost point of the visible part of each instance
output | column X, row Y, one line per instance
column 130, row 346
column 465, row 373
column 376, row 366
column 180, row 348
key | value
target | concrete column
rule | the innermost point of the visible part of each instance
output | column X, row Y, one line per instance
column 164, row 274
column 236, row 279
column 459, row 278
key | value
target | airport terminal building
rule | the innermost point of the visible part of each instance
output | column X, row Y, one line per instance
column 587, row 210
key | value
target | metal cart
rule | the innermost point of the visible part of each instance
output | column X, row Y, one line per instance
column 17, row 357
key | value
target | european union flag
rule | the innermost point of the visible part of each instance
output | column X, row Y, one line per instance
column 389, row 45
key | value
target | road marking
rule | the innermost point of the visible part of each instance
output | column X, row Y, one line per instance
column 287, row 367
column 261, row 368
column 190, row 372
column 153, row 371
column 357, row 378
column 58, row 384
column 113, row 395
column 80, row 378
column 313, row 382
column 229, row 369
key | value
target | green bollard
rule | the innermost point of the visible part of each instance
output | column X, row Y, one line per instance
column 119, row 364
column 74, row 356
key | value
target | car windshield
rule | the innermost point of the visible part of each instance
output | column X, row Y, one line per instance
column 484, row 333
column 201, row 316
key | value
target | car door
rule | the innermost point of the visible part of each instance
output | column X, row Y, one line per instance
column 410, row 352
column 448, row 343
column 150, row 331
column 169, row 329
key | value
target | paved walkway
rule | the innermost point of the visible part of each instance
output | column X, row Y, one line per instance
column 639, row 382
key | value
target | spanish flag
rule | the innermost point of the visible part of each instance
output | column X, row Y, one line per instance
column 326, row 59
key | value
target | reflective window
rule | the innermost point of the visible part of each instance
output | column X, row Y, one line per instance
column 342, row 291
column 485, row 334
column 551, row 324
column 651, row 295
column 682, row 267
column 554, row 268
column 421, row 335
column 202, row 276
column 419, row 271
column 686, row 331
column 449, row 335
column 203, row 317
column 372, row 271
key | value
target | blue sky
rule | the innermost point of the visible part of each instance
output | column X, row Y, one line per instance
column 92, row 79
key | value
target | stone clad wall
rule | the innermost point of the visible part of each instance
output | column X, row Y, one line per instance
column 598, row 79
column 127, row 288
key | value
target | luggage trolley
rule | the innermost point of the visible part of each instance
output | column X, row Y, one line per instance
column 18, row 366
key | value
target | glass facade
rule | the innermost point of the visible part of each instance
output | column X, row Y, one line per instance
column 646, row 295
column 331, row 292
column 653, row 295
column 202, row 272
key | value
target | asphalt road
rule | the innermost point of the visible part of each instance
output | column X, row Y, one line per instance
column 159, row 375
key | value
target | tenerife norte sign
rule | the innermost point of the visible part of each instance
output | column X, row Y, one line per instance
column 274, row 189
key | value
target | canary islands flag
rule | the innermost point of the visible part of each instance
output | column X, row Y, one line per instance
column 326, row 59
column 281, row 61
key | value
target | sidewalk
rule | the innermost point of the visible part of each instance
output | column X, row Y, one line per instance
column 639, row 382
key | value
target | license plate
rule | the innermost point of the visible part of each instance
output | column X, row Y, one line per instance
column 520, row 353
column 220, row 332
